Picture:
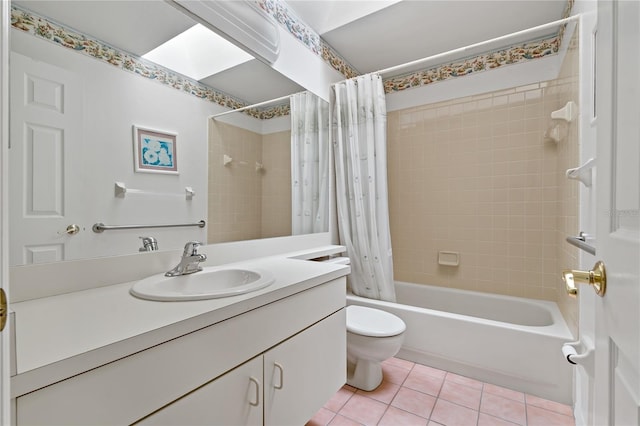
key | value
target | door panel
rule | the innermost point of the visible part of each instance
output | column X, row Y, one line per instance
column 46, row 149
column 233, row 399
column 308, row 369
column 617, row 314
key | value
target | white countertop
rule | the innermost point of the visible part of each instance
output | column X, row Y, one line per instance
column 60, row 336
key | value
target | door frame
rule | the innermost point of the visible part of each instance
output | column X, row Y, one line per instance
column 5, row 12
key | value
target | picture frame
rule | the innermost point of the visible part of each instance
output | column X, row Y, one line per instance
column 155, row 151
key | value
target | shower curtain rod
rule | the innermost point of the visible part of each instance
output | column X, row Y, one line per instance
column 250, row 106
column 472, row 46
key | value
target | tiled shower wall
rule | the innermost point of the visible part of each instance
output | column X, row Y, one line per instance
column 276, row 184
column 566, row 88
column 477, row 176
column 245, row 203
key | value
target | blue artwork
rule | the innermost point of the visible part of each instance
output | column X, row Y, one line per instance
column 157, row 153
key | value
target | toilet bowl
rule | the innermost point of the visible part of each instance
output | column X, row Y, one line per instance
column 373, row 336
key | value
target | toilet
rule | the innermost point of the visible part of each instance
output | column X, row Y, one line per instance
column 373, row 336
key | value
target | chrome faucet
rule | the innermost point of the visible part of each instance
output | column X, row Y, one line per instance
column 190, row 261
column 148, row 244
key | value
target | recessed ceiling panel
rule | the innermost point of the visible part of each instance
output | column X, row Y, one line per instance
column 253, row 82
column 324, row 16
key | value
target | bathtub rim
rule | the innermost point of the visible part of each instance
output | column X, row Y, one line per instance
column 558, row 328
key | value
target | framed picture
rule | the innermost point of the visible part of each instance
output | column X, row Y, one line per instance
column 155, row 151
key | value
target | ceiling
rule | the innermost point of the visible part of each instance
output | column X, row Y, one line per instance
column 403, row 31
column 138, row 26
column 369, row 34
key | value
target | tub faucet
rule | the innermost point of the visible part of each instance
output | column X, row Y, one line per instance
column 190, row 261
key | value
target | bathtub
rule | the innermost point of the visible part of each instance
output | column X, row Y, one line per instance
column 508, row 341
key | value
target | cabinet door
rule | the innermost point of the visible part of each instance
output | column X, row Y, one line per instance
column 236, row 398
column 302, row 373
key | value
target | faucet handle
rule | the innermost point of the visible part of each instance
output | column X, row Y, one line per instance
column 148, row 244
column 191, row 248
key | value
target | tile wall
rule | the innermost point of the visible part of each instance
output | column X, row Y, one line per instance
column 566, row 88
column 245, row 203
column 276, row 184
column 477, row 176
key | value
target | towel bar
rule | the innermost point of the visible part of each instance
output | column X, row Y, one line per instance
column 101, row 227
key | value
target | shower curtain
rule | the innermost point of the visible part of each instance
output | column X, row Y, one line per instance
column 309, row 164
column 359, row 138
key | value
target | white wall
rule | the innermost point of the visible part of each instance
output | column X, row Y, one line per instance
column 114, row 100
column 304, row 67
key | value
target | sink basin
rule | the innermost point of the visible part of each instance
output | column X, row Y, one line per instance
column 210, row 283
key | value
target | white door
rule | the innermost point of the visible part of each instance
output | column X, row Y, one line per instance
column 617, row 372
column 4, row 240
column 46, row 147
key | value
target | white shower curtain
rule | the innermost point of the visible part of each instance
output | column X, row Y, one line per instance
column 309, row 164
column 359, row 138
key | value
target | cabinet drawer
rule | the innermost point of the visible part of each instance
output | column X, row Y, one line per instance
column 131, row 388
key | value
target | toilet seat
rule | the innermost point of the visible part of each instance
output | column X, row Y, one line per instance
column 373, row 322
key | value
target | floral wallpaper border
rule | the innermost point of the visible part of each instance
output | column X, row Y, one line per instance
column 279, row 10
column 512, row 55
column 44, row 28
column 61, row 35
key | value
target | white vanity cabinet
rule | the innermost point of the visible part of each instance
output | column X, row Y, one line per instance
column 296, row 380
column 276, row 364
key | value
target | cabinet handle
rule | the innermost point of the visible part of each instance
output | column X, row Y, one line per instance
column 257, row 394
column 281, row 374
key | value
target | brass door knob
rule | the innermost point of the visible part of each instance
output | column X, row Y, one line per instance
column 72, row 229
column 4, row 309
column 596, row 277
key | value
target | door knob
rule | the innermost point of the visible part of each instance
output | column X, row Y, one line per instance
column 4, row 309
column 72, row 229
column 596, row 277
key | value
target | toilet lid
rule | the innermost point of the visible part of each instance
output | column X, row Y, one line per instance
column 373, row 322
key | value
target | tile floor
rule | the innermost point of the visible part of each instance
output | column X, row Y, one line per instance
column 414, row 394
